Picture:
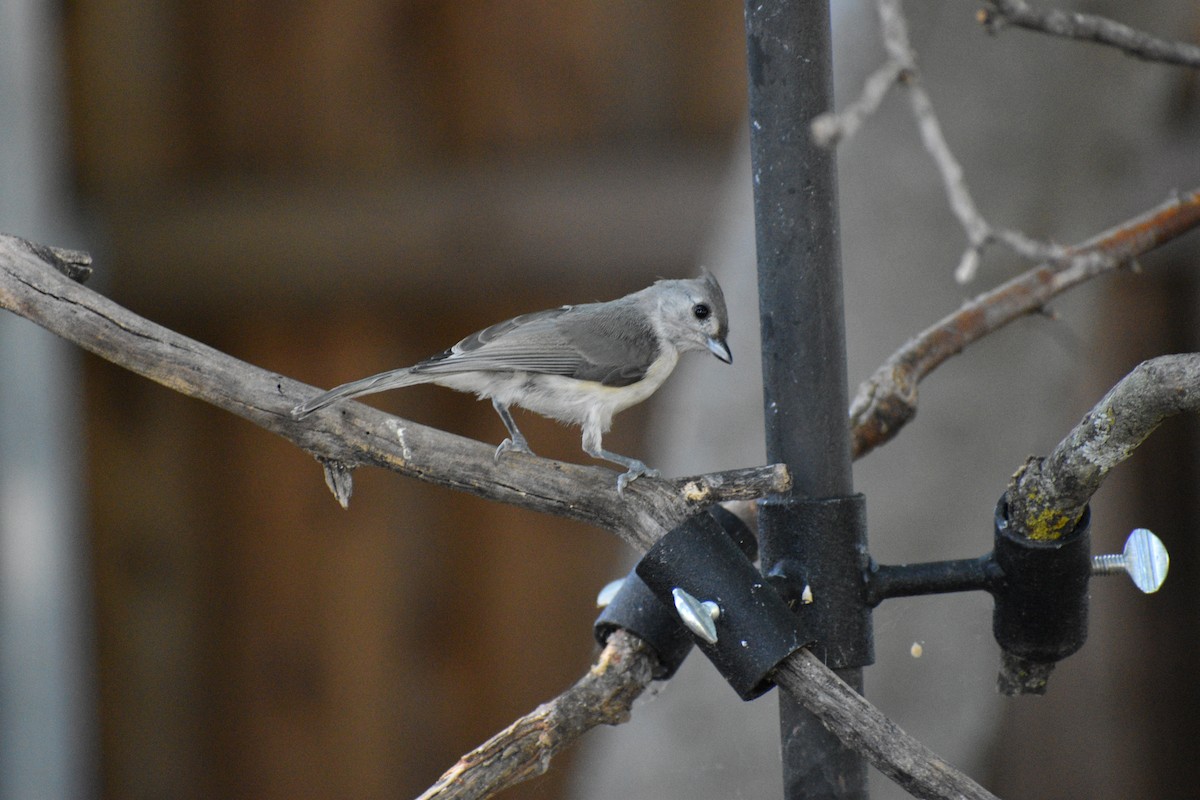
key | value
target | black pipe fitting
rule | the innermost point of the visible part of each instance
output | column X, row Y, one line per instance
column 637, row 610
column 755, row 628
column 810, row 548
column 885, row 581
column 1039, row 587
column 1041, row 608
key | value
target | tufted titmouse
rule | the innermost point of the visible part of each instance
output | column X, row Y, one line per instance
column 577, row 364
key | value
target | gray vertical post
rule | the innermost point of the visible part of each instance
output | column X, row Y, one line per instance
column 804, row 359
column 46, row 724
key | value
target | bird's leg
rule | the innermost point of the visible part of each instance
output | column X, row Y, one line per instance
column 515, row 441
column 635, row 469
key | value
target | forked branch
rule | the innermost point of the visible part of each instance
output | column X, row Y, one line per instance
column 40, row 291
column 887, row 400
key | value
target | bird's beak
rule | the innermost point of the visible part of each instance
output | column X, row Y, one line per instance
column 720, row 349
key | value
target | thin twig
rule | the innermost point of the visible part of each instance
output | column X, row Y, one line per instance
column 524, row 749
column 887, row 400
column 979, row 232
column 1091, row 28
column 833, row 127
column 901, row 67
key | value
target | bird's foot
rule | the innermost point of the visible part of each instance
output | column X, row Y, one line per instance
column 517, row 445
column 636, row 470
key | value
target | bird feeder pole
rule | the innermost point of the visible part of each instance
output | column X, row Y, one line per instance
column 817, row 533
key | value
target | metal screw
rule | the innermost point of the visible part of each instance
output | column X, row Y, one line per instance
column 609, row 593
column 699, row 617
column 1144, row 560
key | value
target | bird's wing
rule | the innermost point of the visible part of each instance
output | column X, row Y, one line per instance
column 608, row 343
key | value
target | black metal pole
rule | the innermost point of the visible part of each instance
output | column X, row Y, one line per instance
column 804, row 368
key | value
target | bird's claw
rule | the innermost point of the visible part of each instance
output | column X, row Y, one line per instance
column 516, row 446
column 635, row 471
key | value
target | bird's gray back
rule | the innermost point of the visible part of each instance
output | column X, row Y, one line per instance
column 611, row 343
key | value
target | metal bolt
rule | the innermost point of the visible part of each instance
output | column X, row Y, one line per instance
column 609, row 593
column 698, row 616
column 1144, row 560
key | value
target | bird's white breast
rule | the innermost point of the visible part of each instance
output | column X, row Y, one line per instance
column 562, row 398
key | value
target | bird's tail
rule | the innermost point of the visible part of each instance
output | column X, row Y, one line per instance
column 392, row 379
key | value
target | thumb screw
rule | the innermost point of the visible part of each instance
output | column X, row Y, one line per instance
column 1144, row 560
column 698, row 616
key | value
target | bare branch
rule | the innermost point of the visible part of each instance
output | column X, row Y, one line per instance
column 901, row 66
column 863, row 728
column 836, row 126
column 75, row 264
column 352, row 434
column 1047, row 496
column 979, row 232
column 894, row 27
column 523, row 750
column 887, row 400
column 1091, row 28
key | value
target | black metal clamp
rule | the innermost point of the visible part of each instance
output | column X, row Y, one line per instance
column 1040, row 587
column 635, row 607
column 1041, row 611
column 699, row 574
column 810, row 554
column 698, row 585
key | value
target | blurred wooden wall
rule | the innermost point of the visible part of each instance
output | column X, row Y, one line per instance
column 329, row 190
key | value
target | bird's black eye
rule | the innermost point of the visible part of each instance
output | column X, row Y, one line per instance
column 701, row 311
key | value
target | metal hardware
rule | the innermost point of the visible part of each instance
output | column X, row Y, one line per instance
column 1144, row 560
column 609, row 592
column 698, row 616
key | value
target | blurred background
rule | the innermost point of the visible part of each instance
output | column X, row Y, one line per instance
column 329, row 190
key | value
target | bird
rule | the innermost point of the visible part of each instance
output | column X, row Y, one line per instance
column 578, row 364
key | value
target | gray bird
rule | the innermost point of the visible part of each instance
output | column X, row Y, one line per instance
column 577, row 364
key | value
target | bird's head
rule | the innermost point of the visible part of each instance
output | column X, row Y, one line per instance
column 690, row 314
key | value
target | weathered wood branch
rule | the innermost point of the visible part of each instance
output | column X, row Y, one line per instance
column 887, row 400
column 1047, row 496
column 523, row 750
column 351, row 434
column 864, row 728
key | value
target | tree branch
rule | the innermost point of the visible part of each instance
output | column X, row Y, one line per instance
column 351, row 434
column 354, row 434
column 901, row 67
column 887, row 400
column 1091, row 28
column 863, row 728
column 1047, row 496
column 523, row 750
column 833, row 127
